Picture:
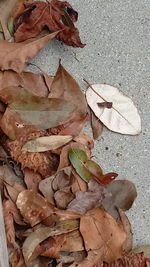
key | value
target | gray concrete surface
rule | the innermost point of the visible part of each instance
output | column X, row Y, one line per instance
column 117, row 34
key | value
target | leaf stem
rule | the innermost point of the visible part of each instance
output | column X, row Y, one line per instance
column 93, row 89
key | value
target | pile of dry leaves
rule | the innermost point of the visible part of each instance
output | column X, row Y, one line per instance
column 59, row 208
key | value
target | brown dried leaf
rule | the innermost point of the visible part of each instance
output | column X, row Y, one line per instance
column 63, row 197
column 78, row 183
column 42, row 233
column 16, row 258
column 55, row 15
column 73, row 242
column 33, row 207
column 9, row 225
column 32, row 179
column 85, row 140
column 124, row 222
column 93, row 259
column 51, row 246
column 122, row 195
column 7, row 175
column 60, row 88
column 88, row 200
column 5, row 13
column 45, row 187
column 96, row 125
column 14, row 56
column 105, row 234
column 74, row 128
column 130, row 260
column 35, row 83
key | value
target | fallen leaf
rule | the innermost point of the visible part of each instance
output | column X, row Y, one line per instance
column 64, row 160
column 33, row 207
column 16, row 258
column 15, row 12
column 43, row 233
column 73, row 242
column 74, row 128
column 8, row 175
column 85, row 201
column 96, row 125
column 4, row 15
column 78, row 158
column 63, row 197
column 32, row 179
column 78, row 183
column 45, row 187
column 9, row 225
column 62, row 178
column 131, row 260
column 144, row 249
column 65, row 87
column 34, row 83
column 14, row 56
column 55, row 15
column 45, row 143
column 124, row 222
column 93, row 259
column 34, row 110
column 105, row 105
column 88, row 169
column 122, row 195
column 123, row 117
column 51, row 246
column 105, row 234
column 85, row 140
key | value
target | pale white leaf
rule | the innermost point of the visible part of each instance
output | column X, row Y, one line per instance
column 123, row 117
column 46, row 143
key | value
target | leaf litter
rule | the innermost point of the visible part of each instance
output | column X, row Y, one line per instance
column 59, row 207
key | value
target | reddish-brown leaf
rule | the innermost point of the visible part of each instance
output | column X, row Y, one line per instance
column 105, row 233
column 73, row 242
column 56, row 15
column 96, row 125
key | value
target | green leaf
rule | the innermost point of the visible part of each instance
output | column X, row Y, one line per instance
column 78, row 159
column 34, row 110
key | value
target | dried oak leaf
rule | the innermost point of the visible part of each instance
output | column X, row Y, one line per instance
column 33, row 207
column 130, row 260
column 96, row 125
column 54, row 15
column 105, row 233
column 9, row 225
column 63, row 197
column 14, row 56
